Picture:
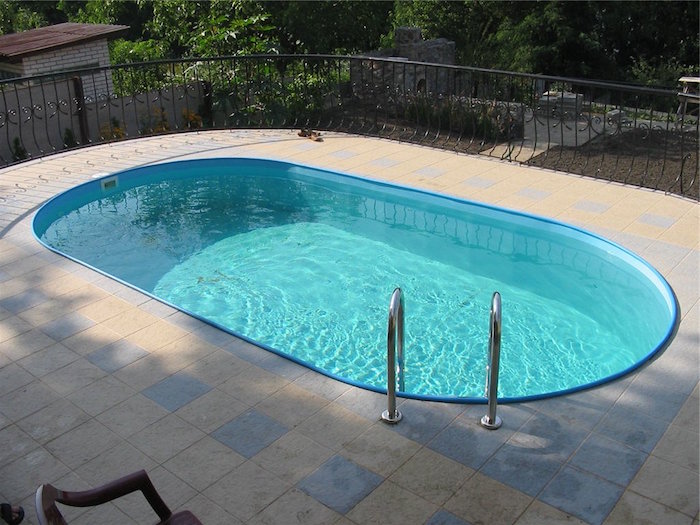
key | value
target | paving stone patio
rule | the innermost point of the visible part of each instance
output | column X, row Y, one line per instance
column 98, row 380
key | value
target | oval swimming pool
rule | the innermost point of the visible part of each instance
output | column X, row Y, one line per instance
column 303, row 261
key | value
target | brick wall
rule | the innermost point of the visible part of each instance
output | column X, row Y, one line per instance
column 83, row 55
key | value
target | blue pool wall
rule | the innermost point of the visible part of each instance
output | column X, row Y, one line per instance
column 86, row 192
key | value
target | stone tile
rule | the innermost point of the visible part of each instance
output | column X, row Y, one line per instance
column 390, row 504
column 23, row 301
column 204, row 463
column 295, row 507
column 483, row 500
column 679, row 446
column 282, row 366
column 14, row 443
column 384, row 162
column 661, row 221
column 213, row 335
column 246, row 490
column 545, row 435
column 165, row 438
column 105, row 308
column 22, row 476
column 217, row 367
column 83, row 443
column 171, row 488
column 25, row 344
column 91, row 339
column 47, row 360
column 53, row 420
column 132, row 415
column 539, row 513
column 176, row 391
column 668, row 484
column 26, row 400
column 207, row 511
column 380, row 450
column 430, row 172
column 466, row 442
column 340, row 484
column 633, row 427
column 425, row 419
column 254, row 385
column 186, row 350
column 479, row 182
column 113, row 463
column 608, row 459
column 534, row 193
column 585, row 496
column 323, row 386
column 522, row 468
column 633, row 508
column 291, row 405
column 116, row 355
column 101, row 395
column 292, row 457
column 73, row 376
column 583, row 409
column 211, row 410
column 365, row 403
column 107, row 514
column 442, row 517
column 432, row 476
column 592, row 206
column 12, row 327
column 156, row 335
column 66, row 326
column 13, row 377
column 333, row 426
column 249, row 433
column 147, row 371
column 246, row 351
column 129, row 321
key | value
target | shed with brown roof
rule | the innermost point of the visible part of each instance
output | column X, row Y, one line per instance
column 56, row 48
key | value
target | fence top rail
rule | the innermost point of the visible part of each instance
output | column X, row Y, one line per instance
column 616, row 86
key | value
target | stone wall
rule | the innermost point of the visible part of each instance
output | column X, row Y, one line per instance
column 404, row 77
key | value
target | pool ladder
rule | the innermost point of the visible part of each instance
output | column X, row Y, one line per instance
column 394, row 357
column 491, row 421
column 395, row 360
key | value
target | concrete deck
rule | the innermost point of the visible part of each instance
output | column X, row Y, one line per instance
column 89, row 370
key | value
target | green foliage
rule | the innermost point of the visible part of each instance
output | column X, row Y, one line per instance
column 219, row 27
column 472, row 118
column 16, row 17
column 661, row 73
column 18, row 150
column 348, row 26
column 123, row 51
column 69, row 140
column 650, row 42
column 585, row 39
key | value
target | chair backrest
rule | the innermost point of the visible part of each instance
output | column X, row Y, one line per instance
column 47, row 496
column 46, row 510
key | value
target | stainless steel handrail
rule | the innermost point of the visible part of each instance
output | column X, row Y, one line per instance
column 394, row 357
column 491, row 421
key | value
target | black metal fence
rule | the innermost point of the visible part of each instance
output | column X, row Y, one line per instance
column 630, row 134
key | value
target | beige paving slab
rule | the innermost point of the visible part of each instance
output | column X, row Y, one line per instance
column 192, row 469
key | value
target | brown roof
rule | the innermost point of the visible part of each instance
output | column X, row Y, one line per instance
column 15, row 46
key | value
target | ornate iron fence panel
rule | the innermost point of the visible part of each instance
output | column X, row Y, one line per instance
column 628, row 134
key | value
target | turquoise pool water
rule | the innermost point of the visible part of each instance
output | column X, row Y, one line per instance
column 303, row 262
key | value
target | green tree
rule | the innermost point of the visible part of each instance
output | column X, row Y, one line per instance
column 219, row 27
column 329, row 26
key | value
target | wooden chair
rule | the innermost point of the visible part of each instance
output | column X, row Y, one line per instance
column 47, row 496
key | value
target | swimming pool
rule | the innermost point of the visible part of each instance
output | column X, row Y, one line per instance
column 303, row 261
